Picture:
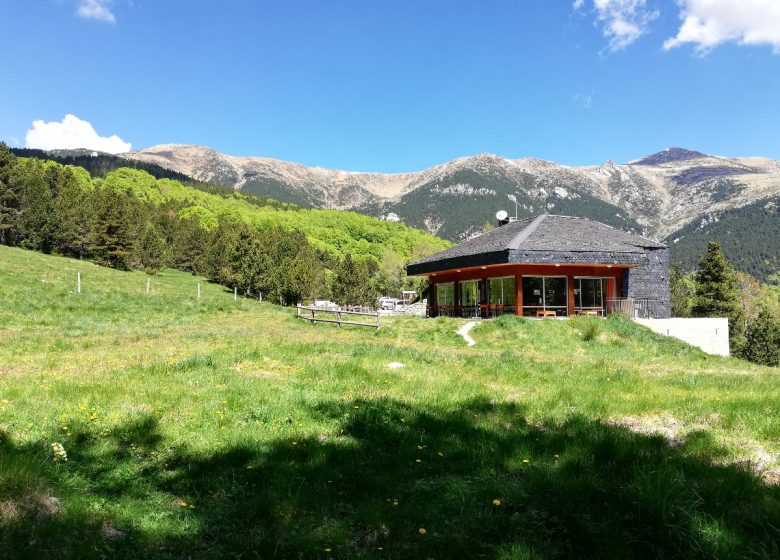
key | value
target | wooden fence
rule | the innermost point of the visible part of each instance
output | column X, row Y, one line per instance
column 335, row 316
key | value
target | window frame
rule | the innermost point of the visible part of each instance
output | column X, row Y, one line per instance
column 544, row 305
column 503, row 293
column 451, row 286
column 578, row 292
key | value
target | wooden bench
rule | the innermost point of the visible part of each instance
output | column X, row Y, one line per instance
column 591, row 312
column 543, row 313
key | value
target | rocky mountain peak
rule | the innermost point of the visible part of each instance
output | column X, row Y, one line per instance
column 658, row 194
column 669, row 155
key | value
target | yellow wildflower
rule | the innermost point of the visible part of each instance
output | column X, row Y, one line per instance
column 496, row 502
column 422, row 530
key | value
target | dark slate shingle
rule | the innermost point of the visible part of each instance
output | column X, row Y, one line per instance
column 544, row 233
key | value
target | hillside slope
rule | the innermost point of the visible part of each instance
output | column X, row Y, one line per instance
column 220, row 428
column 334, row 233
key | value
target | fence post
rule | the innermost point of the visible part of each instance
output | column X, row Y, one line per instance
column 297, row 310
column 78, row 282
column 198, row 291
column 377, row 318
column 338, row 318
column 235, row 293
column 148, row 285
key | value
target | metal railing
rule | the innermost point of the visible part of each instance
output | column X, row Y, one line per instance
column 483, row 311
column 642, row 308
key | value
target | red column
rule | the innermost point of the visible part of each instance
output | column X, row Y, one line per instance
column 570, row 288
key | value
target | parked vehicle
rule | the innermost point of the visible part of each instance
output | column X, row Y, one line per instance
column 387, row 303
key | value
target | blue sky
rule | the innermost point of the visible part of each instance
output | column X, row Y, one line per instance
column 399, row 86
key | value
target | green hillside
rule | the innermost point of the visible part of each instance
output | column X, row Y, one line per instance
column 750, row 237
column 129, row 219
column 464, row 200
column 334, row 232
column 229, row 429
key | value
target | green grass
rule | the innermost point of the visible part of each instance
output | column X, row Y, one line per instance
column 286, row 439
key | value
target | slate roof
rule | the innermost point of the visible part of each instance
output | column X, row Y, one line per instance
column 547, row 238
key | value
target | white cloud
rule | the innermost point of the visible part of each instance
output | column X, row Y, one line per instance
column 708, row 23
column 623, row 21
column 72, row 133
column 96, row 9
column 578, row 4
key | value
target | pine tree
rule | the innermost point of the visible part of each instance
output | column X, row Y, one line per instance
column 10, row 199
column 39, row 184
column 679, row 293
column 352, row 282
column 717, row 293
column 304, row 276
column 71, row 216
column 116, row 219
column 188, row 244
column 151, row 253
column 762, row 339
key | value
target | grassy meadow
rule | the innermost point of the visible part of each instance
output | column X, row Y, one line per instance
column 229, row 429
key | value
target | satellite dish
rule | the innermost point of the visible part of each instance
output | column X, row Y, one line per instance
column 501, row 215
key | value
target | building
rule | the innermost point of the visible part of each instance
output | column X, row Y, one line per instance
column 549, row 266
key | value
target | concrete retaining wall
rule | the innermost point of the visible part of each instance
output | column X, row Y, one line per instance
column 711, row 335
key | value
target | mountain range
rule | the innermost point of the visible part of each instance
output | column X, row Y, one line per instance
column 677, row 195
column 657, row 194
column 682, row 197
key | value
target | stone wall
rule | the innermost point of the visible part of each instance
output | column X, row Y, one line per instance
column 650, row 281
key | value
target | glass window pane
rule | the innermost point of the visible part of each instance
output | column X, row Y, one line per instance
column 578, row 292
column 509, row 291
column 502, row 291
column 588, row 291
column 445, row 293
column 469, row 293
column 597, row 293
column 555, row 292
column 533, row 287
column 496, row 295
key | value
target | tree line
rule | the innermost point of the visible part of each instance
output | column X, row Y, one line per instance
column 51, row 208
column 716, row 289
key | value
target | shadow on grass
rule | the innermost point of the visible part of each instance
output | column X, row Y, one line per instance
column 479, row 480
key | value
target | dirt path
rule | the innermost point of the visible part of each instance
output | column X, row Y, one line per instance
column 464, row 332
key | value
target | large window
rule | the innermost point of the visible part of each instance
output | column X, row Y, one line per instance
column 545, row 293
column 445, row 293
column 588, row 294
column 502, row 291
column 469, row 293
